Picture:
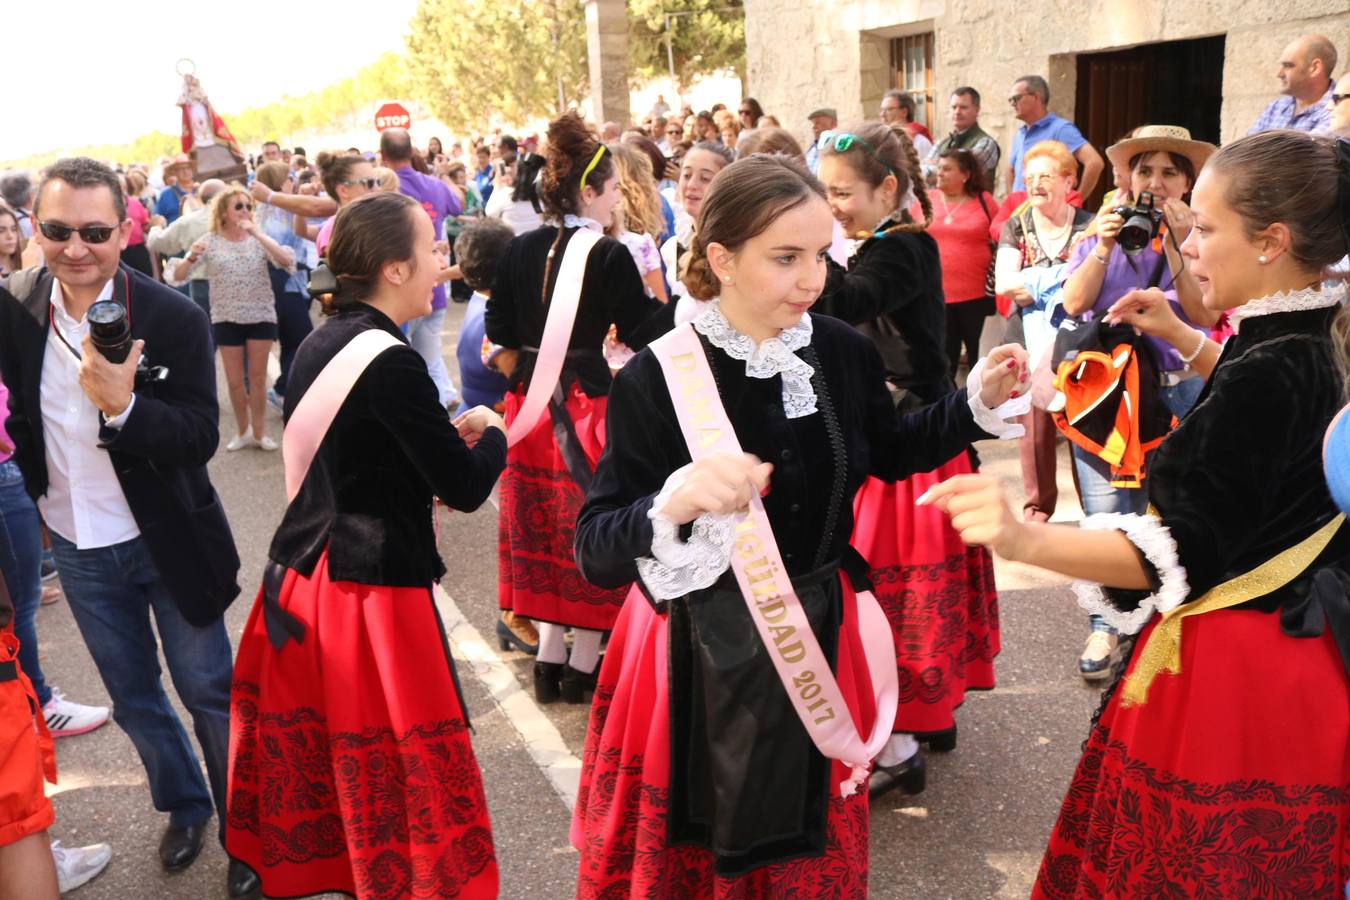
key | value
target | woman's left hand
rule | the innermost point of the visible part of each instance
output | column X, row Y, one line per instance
column 1005, row 375
column 249, row 226
column 1179, row 218
column 979, row 512
column 473, row 422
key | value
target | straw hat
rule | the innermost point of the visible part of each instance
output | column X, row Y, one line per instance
column 181, row 161
column 1168, row 138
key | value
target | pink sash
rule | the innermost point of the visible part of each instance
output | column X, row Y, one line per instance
column 562, row 312
column 317, row 409
column 773, row 604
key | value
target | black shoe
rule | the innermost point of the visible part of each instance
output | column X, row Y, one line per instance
column 547, row 682
column 506, row 639
column 942, row 741
column 243, row 881
column 577, row 685
column 178, row 848
column 911, row 776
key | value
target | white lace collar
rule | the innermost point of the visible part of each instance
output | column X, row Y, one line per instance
column 1319, row 297
column 571, row 221
column 775, row 356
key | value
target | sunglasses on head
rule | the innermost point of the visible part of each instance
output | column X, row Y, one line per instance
column 842, row 143
column 368, row 183
column 90, row 234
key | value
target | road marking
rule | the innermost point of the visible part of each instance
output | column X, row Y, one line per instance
column 545, row 745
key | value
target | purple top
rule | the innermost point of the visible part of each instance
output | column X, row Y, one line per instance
column 439, row 202
column 1124, row 274
column 4, row 417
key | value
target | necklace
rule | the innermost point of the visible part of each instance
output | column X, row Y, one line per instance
column 948, row 211
column 1049, row 239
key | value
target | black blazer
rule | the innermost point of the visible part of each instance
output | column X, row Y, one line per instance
column 367, row 494
column 160, row 453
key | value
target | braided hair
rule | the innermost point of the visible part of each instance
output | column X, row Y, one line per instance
column 892, row 153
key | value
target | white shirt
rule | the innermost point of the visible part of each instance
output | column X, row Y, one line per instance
column 84, row 502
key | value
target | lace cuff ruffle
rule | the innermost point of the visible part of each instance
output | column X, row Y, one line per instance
column 993, row 421
column 1151, row 536
column 678, row 567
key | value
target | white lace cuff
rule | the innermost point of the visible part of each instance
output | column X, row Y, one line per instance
column 1151, row 536
column 994, row 421
column 678, row 567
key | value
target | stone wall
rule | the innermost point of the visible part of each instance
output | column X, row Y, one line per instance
column 801, row 54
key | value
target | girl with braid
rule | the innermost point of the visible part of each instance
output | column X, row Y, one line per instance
column 937, row 593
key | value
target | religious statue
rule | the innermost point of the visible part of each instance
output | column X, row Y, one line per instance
column 213, row 150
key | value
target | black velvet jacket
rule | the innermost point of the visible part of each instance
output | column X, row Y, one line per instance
column 746, row 781
column 892, row 291
column 367, row 496
column 611, row 294
column 1240, row 480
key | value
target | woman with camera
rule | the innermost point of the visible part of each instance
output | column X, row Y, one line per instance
column 1130, row 247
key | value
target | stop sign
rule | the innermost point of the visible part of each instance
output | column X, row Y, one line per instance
column 392, row 115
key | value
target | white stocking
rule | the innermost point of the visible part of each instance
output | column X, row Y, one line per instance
column 585, row 650
column 899, row 748
column 552, row 643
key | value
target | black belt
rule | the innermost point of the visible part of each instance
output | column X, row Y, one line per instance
column 1322, row 602
column 9, row 670
column 281, row 625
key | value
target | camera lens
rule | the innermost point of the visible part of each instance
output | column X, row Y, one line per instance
column 1135, row 233
column 110, row 330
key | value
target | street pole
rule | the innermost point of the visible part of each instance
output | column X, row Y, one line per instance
column 670, row 50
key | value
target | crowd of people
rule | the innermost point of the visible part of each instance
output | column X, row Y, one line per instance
column 728, row 384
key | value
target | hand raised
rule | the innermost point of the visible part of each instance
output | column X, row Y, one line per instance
column 720, row 483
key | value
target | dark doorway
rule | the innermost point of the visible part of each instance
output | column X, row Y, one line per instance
column 1170, row 83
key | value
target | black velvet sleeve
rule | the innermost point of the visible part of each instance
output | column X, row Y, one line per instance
column 404, row 400
column 499, row 315
column 902, row 444
column 874, row 285
column 638, row 319
column 643, row 447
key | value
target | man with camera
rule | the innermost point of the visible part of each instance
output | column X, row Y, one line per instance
column 113, row 415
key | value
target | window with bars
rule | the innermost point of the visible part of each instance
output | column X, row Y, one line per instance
column 912, row 71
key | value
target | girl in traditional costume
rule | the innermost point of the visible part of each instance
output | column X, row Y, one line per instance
column 350, row 763
column 745, row 654
column 938, row 594
column 1219, row 765
column 557, row 292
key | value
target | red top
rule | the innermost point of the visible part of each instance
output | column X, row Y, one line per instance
column 140, row 221
column 963, row 245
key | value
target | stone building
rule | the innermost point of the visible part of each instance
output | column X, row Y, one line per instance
column 1111, row 64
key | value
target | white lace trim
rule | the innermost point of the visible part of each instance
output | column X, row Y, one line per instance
column 1319, row 297
column 571, row 221
column 1151, row 536
column 775, row 356
column 677, row 567
column 994, row 421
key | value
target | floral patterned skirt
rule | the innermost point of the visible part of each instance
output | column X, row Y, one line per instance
column 350, row 763
column 937, row 593
column 619, row 824
column 537, row 574
column 1232, row 780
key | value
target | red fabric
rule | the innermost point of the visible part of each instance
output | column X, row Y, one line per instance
column 938, row 595
column 350, row 763
column 537, row 574
column 619, row 821
column 1233, row 780
column 140, row 221
column 26, row 754
column 963, row 245
column 218, row 128
column 914, row 128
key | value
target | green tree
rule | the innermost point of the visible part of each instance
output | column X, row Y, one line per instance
column 706, row 36
column 472, row 62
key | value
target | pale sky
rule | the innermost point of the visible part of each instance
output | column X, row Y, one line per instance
column 87, row 72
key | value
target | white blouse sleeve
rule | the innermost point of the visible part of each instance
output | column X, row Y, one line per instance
column 1151, row 537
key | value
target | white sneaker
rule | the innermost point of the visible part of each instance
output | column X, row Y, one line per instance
column 240, row 441
column 266, row 443
column 77, row 865
column 66, row 719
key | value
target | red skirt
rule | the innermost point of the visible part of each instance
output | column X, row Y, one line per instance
column 537, row 574
column 619, row 822
column 350, row 763
column 937, row 593
column 1232, row 780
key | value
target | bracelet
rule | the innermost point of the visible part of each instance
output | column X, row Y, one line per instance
column 1105, row 262
column 1187, row 360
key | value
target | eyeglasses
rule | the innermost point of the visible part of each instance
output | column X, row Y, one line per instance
column 90, row 234
column 241, row 205
column 1337, row 98
column 842, row 143
column 368, row 183
column 1012, row 101
column 747, row 112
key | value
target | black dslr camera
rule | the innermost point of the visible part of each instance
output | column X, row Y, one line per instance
column 1142, row 221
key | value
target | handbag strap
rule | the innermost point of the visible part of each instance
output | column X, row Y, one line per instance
column 562, row 313
column 316, row 410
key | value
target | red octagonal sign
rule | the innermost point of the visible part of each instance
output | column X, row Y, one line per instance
column 392, row 115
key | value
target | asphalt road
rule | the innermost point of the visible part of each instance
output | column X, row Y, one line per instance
column 978, row 831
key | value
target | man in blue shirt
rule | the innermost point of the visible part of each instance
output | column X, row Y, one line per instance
column 822, row 120
column 177, row 185
column 482, row 176
column 1305, row 81
column 1030, row 102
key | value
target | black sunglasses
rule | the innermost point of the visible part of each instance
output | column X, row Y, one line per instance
column 90, row 234
column 1337, row 98
column 242, row 205
column 368, row 183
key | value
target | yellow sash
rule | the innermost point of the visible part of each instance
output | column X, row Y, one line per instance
column 1161, row 652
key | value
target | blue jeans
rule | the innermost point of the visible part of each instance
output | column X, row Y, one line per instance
column 425, row 336
column 1181, row 397
column 1098, row 496
column 111, row 591
column 20, row 564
